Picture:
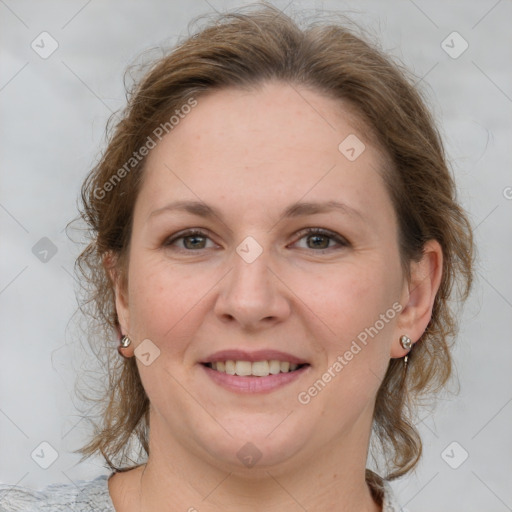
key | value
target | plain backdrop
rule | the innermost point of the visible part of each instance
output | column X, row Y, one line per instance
column 53, row 115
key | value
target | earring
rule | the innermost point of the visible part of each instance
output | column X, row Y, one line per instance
column 124, row 342
column 406, row 343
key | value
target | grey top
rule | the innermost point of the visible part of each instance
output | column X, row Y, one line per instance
column 85, row 496
column 93, row 496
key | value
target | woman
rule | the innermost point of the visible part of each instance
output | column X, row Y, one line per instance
column 275, row 239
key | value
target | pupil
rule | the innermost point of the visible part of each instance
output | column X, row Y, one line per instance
column 194, row 239
column 320, row 245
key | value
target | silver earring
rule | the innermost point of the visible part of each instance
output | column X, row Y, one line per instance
column 124, row 342
column 406, row 343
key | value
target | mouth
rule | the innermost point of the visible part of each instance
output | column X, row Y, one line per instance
column 262, row 371
column 262, row 368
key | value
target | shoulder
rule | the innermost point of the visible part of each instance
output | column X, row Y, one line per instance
column 82, row 496
column 383, row 492
column 389, row 500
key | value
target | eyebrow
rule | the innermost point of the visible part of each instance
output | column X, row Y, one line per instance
column 297, row 209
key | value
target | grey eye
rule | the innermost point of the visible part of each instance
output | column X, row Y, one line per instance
column 194, row 242
column 318, row 241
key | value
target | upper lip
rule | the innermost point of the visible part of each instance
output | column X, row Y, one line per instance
column 258, row 355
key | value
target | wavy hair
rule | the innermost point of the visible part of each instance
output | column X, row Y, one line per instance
column 245, row 49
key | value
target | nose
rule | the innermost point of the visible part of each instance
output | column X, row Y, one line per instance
column 252, row 295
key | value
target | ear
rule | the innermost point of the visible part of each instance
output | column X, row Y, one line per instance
column 119, row 284
column 418, row 296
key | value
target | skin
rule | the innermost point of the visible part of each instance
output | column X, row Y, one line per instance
column 250, row 154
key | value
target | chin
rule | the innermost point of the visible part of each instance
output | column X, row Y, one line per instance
column 257, row 444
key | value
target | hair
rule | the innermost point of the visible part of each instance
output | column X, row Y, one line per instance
column 245, row 50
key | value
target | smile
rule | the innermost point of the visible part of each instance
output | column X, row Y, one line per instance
column 255, row 376
column 254, row 369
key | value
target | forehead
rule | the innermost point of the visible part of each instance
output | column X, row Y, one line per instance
column 273, row 144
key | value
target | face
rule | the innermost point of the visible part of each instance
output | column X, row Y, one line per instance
column 282, row 252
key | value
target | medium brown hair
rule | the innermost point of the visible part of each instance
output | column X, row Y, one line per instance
column 246, row 49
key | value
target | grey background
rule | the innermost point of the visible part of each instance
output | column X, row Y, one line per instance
column 53, row 113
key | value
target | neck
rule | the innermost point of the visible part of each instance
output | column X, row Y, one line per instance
column 334, row 479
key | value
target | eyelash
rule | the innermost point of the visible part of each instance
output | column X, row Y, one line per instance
column 302, row 234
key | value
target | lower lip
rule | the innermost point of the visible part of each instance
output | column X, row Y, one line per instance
column 254, row 384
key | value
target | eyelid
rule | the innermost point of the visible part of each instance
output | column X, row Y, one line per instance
column 341, row 240
column 168, row 241
column 309, row 231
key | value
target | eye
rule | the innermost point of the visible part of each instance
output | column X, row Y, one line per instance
column 193, row 239
column 317, row 239
column 320, row 239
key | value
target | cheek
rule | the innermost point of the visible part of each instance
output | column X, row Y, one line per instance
column 355, row 306
column 355, row 340
column 165, row 300
column 356, row 309
column 349, row 299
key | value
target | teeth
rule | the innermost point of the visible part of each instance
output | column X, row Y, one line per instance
column 274, row 367
column 257, row 369
column 243, row 368
column 260, row 368
column 230, row 367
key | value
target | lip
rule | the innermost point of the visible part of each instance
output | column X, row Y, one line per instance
column 251, row 384
column 258, row 355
